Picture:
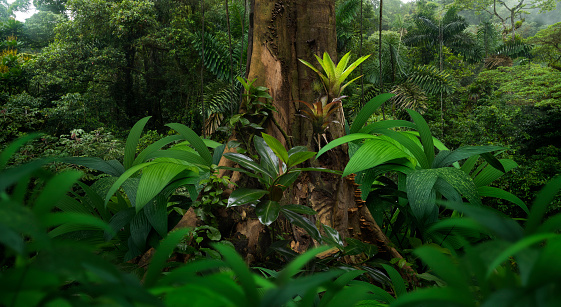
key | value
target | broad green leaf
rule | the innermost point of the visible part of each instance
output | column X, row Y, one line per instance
column 493, row 161
column 462, row 182
column 12, row 175
column 182, row 155
column 426, row 136
column 244, row 276
column 299, row 157
column 412, row 145
column 112, row 167
column 352, row 67
column 217, row 154
column 297, row 264
column 316, row 169
column 267, row 212
column 132, row 142
column 194, row 140
column 302, row 222
column 466, row 152
column 244, row 196
column 332, row 236
column 11, row 239
column 268, row 158
column 126, row 175
column 156, row 146
column 373, row 153
column 154, row 179
column 367, row 111
column 118, row 221
column 286, row 180
column 296, row 149
column 398, row 284
column 60, row 218
column 299, row 209
column 543, row 200
column 443, row 266
column 502, row 194
column 512, row 250
column 276, row 146
column 420, row 192
column 162, row 254
column 490, row 174
column 345, row 139
column 386, row 124
column 140, row 227
column 54, row 190
column 157, row 215
column 248, row 163
column 435, row 296
column 9, row 151
column 501, row 226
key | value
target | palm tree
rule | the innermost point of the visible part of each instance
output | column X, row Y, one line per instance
column 449, row 32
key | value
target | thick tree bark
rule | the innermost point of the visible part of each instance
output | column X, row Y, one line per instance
column 283, row 32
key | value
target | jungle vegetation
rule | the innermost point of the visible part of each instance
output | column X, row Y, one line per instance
column 280, row 153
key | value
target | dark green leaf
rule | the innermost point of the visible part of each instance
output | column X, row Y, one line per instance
column 267, row 212
column 367, row 111
column 244, row 196
column 303, row 223
column 132, row 142
column 268, row 158
column 194, row 140
column 276, row 146
column 299, row 209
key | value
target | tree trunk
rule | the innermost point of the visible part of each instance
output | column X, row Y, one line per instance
column 283, row 32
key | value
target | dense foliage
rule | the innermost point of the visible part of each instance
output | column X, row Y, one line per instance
column 120, row 199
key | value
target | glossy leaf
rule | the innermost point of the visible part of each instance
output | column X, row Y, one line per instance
column 299, row 209
column 267, row 212
column 268, row 158
column 276, row 146
column 247, row 162
column 302, row 222
column 299, row 157
column 425, row 134
column 243, row 196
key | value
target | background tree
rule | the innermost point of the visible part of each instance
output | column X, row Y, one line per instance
column 507, row 11
column 548, row 45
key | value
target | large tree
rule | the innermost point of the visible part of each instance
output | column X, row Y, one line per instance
column 283, row 32
column 507, row 11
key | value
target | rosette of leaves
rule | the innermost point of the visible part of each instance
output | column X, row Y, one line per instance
column 275, row 171
column 318, row 113
column 335, row 75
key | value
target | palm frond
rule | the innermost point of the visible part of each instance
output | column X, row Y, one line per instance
column 409, row 96
column 431, row 80
column 216, row 56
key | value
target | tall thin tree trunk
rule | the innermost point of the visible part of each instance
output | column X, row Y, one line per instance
column 380, row 54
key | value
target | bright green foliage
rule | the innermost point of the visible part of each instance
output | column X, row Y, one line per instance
column 318, row 114
column 548, row 45
column 424, row 174
column 334, row 76
column 41, row 264
column 516, row 267
column 162, row 172
column 276, row 171
column 522, row 85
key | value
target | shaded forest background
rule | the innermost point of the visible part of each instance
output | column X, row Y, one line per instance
column 88, row 70
column 103, row 79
